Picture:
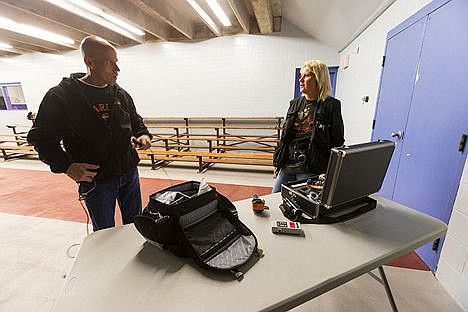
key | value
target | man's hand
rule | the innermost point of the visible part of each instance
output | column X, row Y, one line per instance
column 144, row 142
column 81, row 172
column 275, row 172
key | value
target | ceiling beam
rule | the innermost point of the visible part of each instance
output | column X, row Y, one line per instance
column 135, row 15
column 10, row 52
column 20, row 47
column 36, row 44
column 263, row 13
column 241, row 13
column 65, row 18
column 20, row 16
column 5, row 53
column 168, row 14
column 276, row 10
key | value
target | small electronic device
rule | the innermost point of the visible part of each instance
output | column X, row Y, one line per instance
column 287, row 227
column 136, row 142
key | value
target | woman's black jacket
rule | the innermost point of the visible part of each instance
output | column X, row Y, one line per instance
column 328, row 132
column 65, row 116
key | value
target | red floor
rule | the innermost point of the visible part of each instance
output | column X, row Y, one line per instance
column 47, row 195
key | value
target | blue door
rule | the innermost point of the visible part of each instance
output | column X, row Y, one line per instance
column 430, row 165
column 333, row 70
column 395, row 94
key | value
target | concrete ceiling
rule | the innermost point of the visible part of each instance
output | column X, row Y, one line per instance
column 333, row 22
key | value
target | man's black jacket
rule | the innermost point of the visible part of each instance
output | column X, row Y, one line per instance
column 66, row 116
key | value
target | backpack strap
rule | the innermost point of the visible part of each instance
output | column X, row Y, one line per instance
column 228, row 204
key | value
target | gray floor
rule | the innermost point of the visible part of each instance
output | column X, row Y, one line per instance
column 37, row 253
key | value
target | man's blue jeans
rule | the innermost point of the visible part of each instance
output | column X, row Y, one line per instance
column 282, row 178
column 100, row 197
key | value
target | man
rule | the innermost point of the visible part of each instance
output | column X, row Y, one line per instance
column 96, row 121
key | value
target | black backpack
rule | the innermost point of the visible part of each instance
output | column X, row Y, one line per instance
column 204, row 227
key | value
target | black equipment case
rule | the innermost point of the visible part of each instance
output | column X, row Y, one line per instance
column 203, row 226
column 353, row 173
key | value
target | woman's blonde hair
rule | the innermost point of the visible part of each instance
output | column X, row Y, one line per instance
column 320, row 70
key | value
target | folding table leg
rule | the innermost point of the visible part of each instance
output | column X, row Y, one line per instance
column 383, row 280
column 387, row 289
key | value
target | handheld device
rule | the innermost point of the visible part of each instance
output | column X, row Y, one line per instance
column 136, row 142
column 287, row 227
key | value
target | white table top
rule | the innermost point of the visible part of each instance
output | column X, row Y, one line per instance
column 117, row 270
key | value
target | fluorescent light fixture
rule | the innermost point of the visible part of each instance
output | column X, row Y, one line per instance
column 36, row 32
column 97, row 15
column 85, row 5
column 5, row 46
column 202, row 13
column 214, row 5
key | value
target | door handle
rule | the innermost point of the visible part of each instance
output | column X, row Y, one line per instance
column 462, row 143
column 397, row 134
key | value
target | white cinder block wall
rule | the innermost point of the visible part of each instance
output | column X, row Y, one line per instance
column 362, row 77
column 249, row 75
column 452, row 271
column 244, row 75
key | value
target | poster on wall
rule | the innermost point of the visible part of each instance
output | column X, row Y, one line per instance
column 12, row 96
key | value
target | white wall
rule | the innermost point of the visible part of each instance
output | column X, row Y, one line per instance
column 452, row 271
column 362, row 77
column 243, row 75
column 37, row 73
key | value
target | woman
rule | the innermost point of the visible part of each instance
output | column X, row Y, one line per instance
column 313, row 125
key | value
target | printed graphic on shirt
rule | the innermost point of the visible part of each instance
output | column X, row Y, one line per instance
column 104, row 109
column 304, row 121
column 100, row 99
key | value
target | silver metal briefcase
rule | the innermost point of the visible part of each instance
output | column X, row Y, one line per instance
column 353, row 173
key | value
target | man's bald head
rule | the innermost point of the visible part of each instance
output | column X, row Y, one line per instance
column 92, row 46
column 100, row 58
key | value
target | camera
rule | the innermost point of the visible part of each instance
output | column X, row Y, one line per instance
column 291, row 208
column 300, row 156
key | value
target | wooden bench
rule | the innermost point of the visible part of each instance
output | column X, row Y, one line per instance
column 185, row 139
column 204, row 140
column 19, row 139
column 232, row 140
column 233, row 129
column 205, row 159
column 19, row 128
column 217, row 148
column 226, row 139
column 15, row 146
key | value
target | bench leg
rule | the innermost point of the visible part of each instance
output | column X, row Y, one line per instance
column 200, row 164
column 203, row 166
column 5, row 156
